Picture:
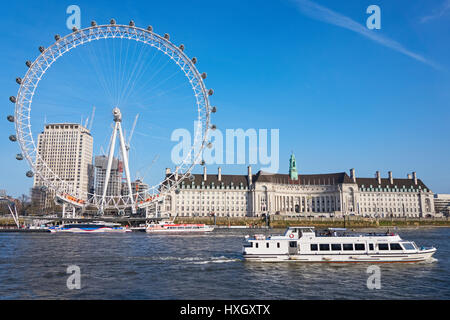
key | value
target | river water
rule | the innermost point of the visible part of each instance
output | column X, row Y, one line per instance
column 142, row 266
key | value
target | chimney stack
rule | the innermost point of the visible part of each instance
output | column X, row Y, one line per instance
column 204, row 173
column 391, row 180
column 167, row 171
column 219, row 173
column 409, row 176
column 352, row 175
column 250, row 175
column 377, row 174
column 415, row 177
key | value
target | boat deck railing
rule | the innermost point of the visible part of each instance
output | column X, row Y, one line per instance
column 370, row 234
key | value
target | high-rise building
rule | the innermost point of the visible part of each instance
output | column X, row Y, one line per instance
column 115, row 178
column 66, row 148
column 442, row 203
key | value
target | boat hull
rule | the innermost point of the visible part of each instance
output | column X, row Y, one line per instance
column 422, row 255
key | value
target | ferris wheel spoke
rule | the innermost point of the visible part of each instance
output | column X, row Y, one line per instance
column 126, row 87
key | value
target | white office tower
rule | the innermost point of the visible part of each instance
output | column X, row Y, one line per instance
column 66, row 148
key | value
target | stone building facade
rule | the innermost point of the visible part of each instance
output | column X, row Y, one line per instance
column 294, row 194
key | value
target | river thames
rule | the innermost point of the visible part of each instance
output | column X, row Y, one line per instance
column 210, row 266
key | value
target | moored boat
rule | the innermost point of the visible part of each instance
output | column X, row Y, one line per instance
column 170, row 227
column 305, row 244
column 90, row 227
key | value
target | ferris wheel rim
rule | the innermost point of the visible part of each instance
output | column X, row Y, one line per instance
column 108, row 31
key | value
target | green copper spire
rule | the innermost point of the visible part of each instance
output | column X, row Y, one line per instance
column 293, row 174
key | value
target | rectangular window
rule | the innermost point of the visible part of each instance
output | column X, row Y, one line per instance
column 256, row 244
column 324, row 247
column 293, row 244
column 395, row 246
column 314, row 247
column 348, row 246
column 360, row 246
column 336, row 247
column 267, row 244
column 408, row 246
column 370, row 246
column 383, row 246
column 278, row 244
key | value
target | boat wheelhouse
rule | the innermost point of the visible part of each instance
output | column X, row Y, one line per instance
column 305, row 244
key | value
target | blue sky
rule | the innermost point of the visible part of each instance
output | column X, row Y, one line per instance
column 342, row 97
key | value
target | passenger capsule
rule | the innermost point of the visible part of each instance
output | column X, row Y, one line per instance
column 131, row 23
column 204, row 75
column 166, row 36
column 93, row 23
column 10, row 118
column 150, row 28
column 181, row 47
column 74, row 29
column 194, row 60
column 44, row 188
column 213, row 127
column 19, row 156
column 209, row 145
column 13, row 138
column 28, row 63
column 112, row 22
column 210, row 92
column 30, row 174
column 12, row 99
column 41, row 49
column 57, row 37
column 214, row 109
column 202, row 162
column 191, row 177
column 177, row 190
column 19, row 80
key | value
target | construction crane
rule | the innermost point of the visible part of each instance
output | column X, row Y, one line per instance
column 147, row 170
column 92, row 119
column 127, row 146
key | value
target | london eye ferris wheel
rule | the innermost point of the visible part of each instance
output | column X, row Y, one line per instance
column 98, row 199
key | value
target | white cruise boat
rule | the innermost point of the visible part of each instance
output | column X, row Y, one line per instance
column 170, row 227
column 305, row 244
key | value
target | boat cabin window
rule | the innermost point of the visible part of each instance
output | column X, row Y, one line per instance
column 293, row 244
column 408, row 246
column 348, row 246
column 324, row 247
column 383, row 246
column 313, row 246
column 248, row 245
column 256, row 244
column 278, row 244
column 267, row 244
column 360, row 246
column 336, row 247
column 370, row 246
column 395, row 246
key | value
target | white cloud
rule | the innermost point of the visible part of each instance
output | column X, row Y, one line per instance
column 444, row 8
column 326, row 15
